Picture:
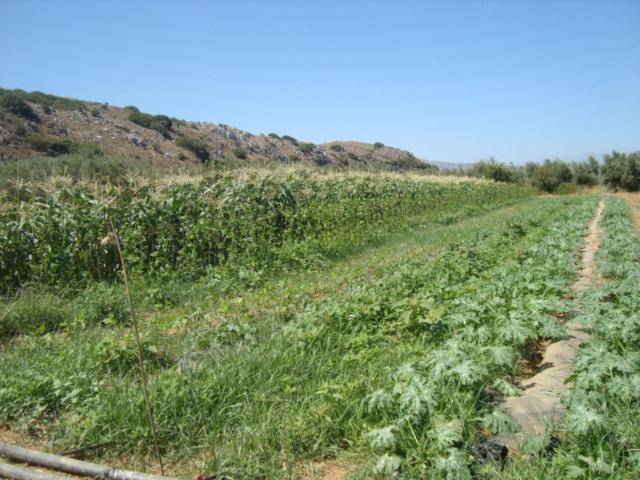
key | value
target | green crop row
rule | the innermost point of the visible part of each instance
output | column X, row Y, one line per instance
column 186, row 229
column 601, row 433
column 403, row 368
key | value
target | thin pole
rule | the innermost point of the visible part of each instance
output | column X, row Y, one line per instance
column 134, row 321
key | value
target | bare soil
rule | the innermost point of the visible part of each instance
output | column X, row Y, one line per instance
column 327, row 470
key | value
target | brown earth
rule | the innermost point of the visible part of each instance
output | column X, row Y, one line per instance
column 108, row 128
column 540, row 404
column 327, row 470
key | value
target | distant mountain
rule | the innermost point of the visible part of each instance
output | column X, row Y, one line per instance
column 451, row 166
column 37, row 124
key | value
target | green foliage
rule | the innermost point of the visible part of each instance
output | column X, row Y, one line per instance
column 290, row 139
column 586, row 173
column 550, row 175
column 33, row 312
column 410, row 162
column 103, row 303
column 11, row 102
column 622, row 171
column 95, row 112
column 378, row 145
column 189, row 228
column 19, row 128
column 52, row 146
column 566, row 188
column 159, row 123
column 132, row 109
column 240, row 153
column 44, row 99
column 498, row 172
column 274, row 135
column 196, row 146
column 395, row 365
column 337, row 147
column 307, row 148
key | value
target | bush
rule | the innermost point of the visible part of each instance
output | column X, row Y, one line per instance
column 622, row 171
column 159, row 123
column 19, row 128
column 294, row 158
column 274, row 135
column 95, row 112
column 290, row 139
column 46, row 100
column 307, row 148
column 196, row 146
column 14, row 104
column 586, row 173
column 240, row 153
column 352, row 156
column 50, row 145
column 131, row 108
column 566, row 189
column 378, row 145
column 410, row 162
column 492, row 170
column 549, row 175
column 337, row 148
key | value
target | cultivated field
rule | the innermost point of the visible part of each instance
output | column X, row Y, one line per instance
column 298, row 325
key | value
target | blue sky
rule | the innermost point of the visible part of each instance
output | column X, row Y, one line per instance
column 451, row 81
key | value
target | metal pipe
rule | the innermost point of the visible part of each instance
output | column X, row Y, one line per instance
column 14, row 472
column 71, row 465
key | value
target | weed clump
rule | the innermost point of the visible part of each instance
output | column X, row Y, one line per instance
column 196, row 146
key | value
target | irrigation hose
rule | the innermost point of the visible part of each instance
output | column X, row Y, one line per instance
column 70, row 465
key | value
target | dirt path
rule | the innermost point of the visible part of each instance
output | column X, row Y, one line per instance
column 540, row 404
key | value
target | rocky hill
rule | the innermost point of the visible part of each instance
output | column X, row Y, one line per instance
column 37, row 124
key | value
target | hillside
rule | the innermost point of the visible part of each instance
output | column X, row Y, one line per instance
column 37, row 124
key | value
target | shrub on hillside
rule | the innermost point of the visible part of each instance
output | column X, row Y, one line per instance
column 290, row 139
column 378, row 145
column 621, row 171
column 274, row 135
column 50, row 145
column 337, row 148
column 16, row 105
column 240, row 153
column 46, row 100
column 159, row 123
column 196, row 146
column 307, row 148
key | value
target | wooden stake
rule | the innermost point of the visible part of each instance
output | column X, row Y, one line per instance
column 134, row 321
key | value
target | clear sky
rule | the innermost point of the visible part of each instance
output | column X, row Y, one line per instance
column 451, row 81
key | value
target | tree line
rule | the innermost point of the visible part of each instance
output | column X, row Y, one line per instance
column 618, row 171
